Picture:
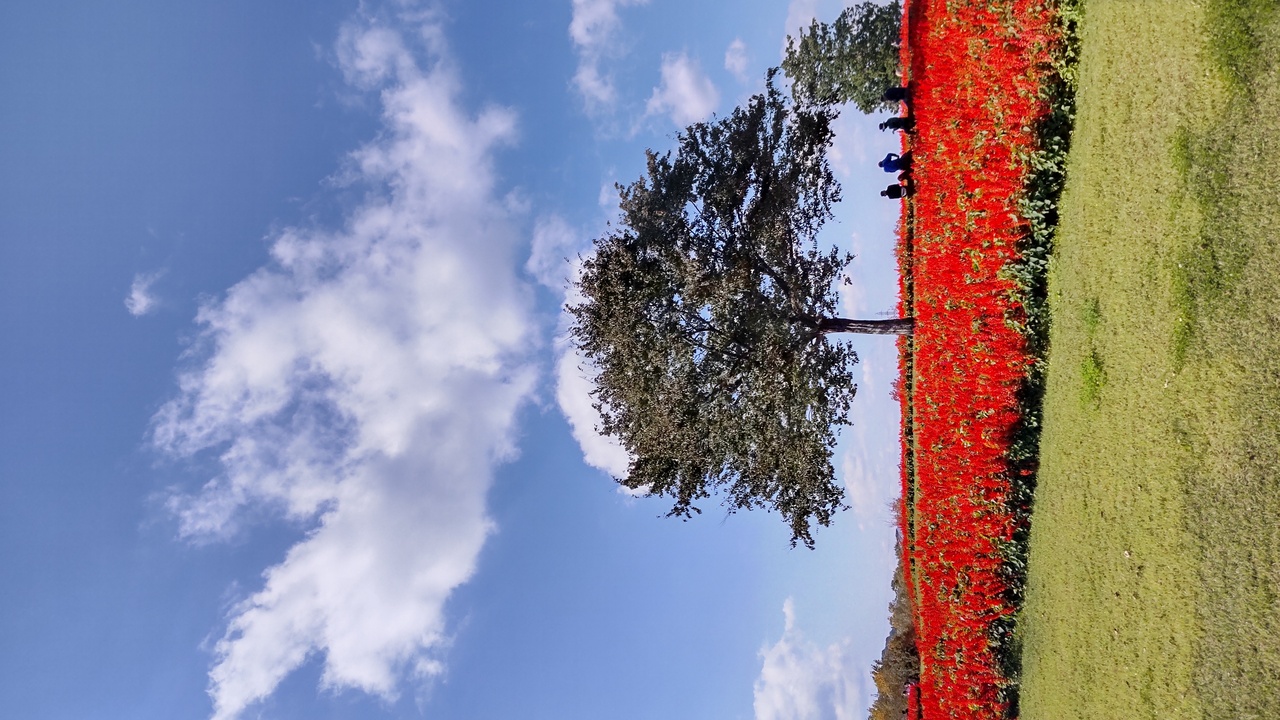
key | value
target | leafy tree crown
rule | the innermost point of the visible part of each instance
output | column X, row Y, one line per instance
column 703, row 313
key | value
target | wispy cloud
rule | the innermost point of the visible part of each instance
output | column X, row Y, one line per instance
column 800, row 13
column 801, row 681
column 141, row 299
column 594, row 30
column 685, row 93
column 555, row 251
column 735, row 59
column 575, row 381
column 870, row 459
column 868, row 481
column 556, row 261
column 365, row 382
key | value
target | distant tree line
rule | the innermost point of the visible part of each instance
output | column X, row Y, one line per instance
column 899, row 663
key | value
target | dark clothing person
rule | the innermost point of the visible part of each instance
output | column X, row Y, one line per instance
column 895, row 192
column 898, row 123
column 893, row 162
column 897, row 94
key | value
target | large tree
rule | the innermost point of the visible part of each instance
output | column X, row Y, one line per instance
column 855, row 59
column 707, row 312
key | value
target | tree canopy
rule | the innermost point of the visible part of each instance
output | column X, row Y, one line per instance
column 706, row 312
column 853, row 59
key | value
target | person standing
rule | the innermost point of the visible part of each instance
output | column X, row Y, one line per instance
column 897, row 94
column 897, row 192
column 893, row 162
column 905, row 124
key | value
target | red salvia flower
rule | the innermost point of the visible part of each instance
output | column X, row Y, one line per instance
column 975, row 70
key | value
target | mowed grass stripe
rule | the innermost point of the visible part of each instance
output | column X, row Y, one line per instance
column 1155, row 546
column 1232, row 367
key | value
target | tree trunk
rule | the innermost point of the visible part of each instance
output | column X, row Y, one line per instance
column 894, row 326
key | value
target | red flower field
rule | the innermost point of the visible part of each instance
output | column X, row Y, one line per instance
column 975, row 70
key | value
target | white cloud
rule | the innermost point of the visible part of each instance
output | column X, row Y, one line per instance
column 686, row 94
column 366, row 382
column 575, row 381
column 554, row 253
column 735, row 59
column 608, row 198
column 556, row 261
column 801, row 681
column 594, row 31
column 142, row 300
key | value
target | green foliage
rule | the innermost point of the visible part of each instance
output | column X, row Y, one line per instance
column 706, row 313
column 1092, row 316
column 1044, row 188
column 853, row 59
column 1235, row 37
column 1092, row 377
column 1093, row 373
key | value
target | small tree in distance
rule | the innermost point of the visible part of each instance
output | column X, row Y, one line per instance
column 707, row 313
column 853, row 59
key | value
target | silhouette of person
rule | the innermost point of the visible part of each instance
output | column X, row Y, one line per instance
column 896, row 192
column 893, row 162
column 897, row 94
column 906, row 124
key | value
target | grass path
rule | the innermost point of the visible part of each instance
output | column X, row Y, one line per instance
column 1155, row 547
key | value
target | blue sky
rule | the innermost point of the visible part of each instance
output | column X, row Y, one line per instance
column 289, row 426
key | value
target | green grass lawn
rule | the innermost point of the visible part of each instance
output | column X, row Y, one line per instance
column 1154, row 574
